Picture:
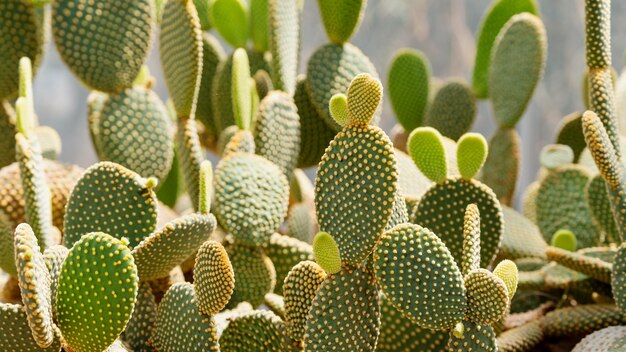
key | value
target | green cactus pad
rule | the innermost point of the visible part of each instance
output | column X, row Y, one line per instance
column 518, row 59
column 554, row 155
column 608, row 339
column 168, row 247
column 240, row 142
column 564, row 239
column 427, row 151
column 476, row 338
column 134, row 131
column 15, row 334
column 593, row 267
column 259, row 27
column 618, row 278
column 521, row 237
column 202, row 7
column 496, row 17
column 285, row 252
column 507, row 271
column 7, row 246
column 471, row 240
column 214, row 278
column 34, row 282
column 252, row 332
column 453, row 110
column 180, row 326
column 7, row 135
column 240, row 89
column 230, row 19
column 284, row 36
column 276, row 303
column 522, row 338
column 360, row 159
column 180, row 47
column 161, row 285
column 600, row 206
column 301, row 223
column 301, row 285
column 442, row 209
column 54, row 257
column 254, row 275
column 191, row 156
column 327, row 252
column 277, row 131
column 399, row 215
column 330, row 70
column 581, row 319
column 364, row 98
column 418, row 290
column 110, row 198
column 98, row 278
column 110, row 59
column 338, row 107
column 570, row 133
column 315, row 135
column 263, row 83
column 212, row 55
column 345, row 313
column 471, row 154
column 341, row 18
column 487, row 297
column 561, row 204
column 251, row 197
column 602, row 102
column 598, row 33
column 502, row 166
column 138, row 331
column 408, row 83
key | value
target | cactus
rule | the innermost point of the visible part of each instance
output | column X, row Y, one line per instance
column 341, row 19
column 214, row 278
column 301, row 285
column 503, row 164
column 254, row 274
column 521, row 238
column 570, row 133
column 453, row 110
column 521, row 338
column 212, row 55
column 284, row 40
column 607, row 339
column 16, row 333
column 254, row 331
column 286, row 252
column 230, row 19
column 139, row 329
column 581, row 320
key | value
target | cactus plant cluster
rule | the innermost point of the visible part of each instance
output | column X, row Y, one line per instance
column 402, row 243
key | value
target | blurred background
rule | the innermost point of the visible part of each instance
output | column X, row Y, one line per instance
column 443, row 29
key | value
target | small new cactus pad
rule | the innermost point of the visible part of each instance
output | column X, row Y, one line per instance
column 240, row 89
column 327, row 253
column 399, row 334
column 517, row 63
column 230, row 19
column 442, row 208
column 284, row 35
column 98, row 278
column 191, row 156
column 564, row 239
column 427, row 151
column 330, row 70
column 341, row 18
column 134, row 131
column 471, row 154
column 502, row 166
column 561, row 204
column 408, row 83
column 338, row 107
column 285, row 252
column 212, row 55
column 471, row 240
column 180, row 47
column 581, row 319
column 419, row 291
column 301, row 285
column 168, row 247
column 254, row 274
column 259, row 28
column 600, row 205
column 507, row 271
column 138, row 331
column 593, row 267
column 364, row 97
column 618, row 277
column 359, row 160
column 608, row 339
column 15, row 334
column 214, row 278
column 34, row 281
column 115, row 39
column 301, row 223
column 570, row 133
column 315, row 134
column 453, row 110
column 475, row 338
column 251, row 197
column 277, row 131
column 345, row 313
column 276, row 303
column 112, row 199
column 254, row 331
column 521, row 238
column 54, row 257
column 598, row 33
column 487, row 297
column 496, row 17
column 180, row 326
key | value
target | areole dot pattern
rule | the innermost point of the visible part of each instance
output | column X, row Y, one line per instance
column 476, row 338
column 15, row 334
column 254, row 275
column 251, row 332
column 487, row 297
column 301, row 285
column 285, row 252
column 214, row 278
column 139, row 329
column 54, row 257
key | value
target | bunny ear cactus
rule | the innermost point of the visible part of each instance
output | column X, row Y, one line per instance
column 286, row 252
column 139, row 329
column 521, row 237
column 212, row 55
column 253, row 331
column 7, row 135
column 608, row 339
column 301, row 285
column 341, row 18
column 327, row 253
column 453, row 110
column 475, row 338
column 16, row 333
column 214, row 278
column 284, row 37
column 600, row 206
column 231, row 19
column 255, row 274
column 502, row 166
column 564, row 239
column 54, row 257
column 570, row 133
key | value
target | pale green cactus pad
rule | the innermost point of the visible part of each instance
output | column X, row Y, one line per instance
column 521, row 338
column 426, row 148
column 15, row 334
column 301, row 223
column 214, row 278
column 111, row 59
column 285, row 252
column 284, row 36
column 453, row 110
column 341, row 18
column 521, row 237
column 508, row 272
column 582, row 319
column 98, row 277
column 345, row 313
column 608, row 339
column 600, row 205
column 254, row 275
column 138, row 331
column 564, row 239
column 503, row 163
column 180, row 326
column 212, row 55
column 130, row 203
column 476, row 338
column 403, row 287
column 251, row 332
column 202, row 7
column 487, row 297
column 259, row 28
column 471, row 154
column 301, row 285
column 230, row 19
column 241, row 93
column 180, row 47
column 327, row 252
column 570, row 133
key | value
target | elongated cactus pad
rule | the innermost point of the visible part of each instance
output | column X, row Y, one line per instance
column 593, row 267
column 254, row 274
column 230, row 19
column 117, row 47
column 581, row 319
column 418, row 291
column 285, row 252
column 453, row 110
column 54, row 257
column 191, row 156
column 112, row 199
column 180, row 46
column 618, row 277
column 98, row 277
column 7, row 135
column 608, row 339
column 487, row 297
column 34, row 281
column 180, row 326
column 138, row 331
column 570, row 132
column 476, row 338
column 7, row 245
column 598, row 33
column 600, row 205
column 517, row 63
column 521, row 237
column 15, row 334
column 409, row 87
column 240, row 89
column 301, row 285
column 251, row 332
column 359, row 159
column 341, row 18
column 259, row 27
column 212, row 55
column 522, row 338
column 471, row 240
column 502, row 166
column 345, row 313
column 284, row 36
column 214, row 278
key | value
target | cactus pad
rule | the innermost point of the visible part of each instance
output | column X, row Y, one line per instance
column 471, row 154
column 503, row 163
column 453, row 110
column 521, row 238
column 230, row 19
column 240, row 89
column 364, row 97
column 487, row 297
column 418, row 290
column 98, row 278
column 427, row 151
column 360, row 159
column 598, row 33
column 521, row 338
column 7, row 135
column 285, row 252
column 15, row 334
column 180, row 326
column 251, row 332
column 240, row 142
column 570, row 133
column 110, row 198
column 7, row 245
column 600, row 206
column 212, row 55
column 254, row 275
column 476, row 338
column 214, row 278
column 139, row 329
column 301, row 285
column 471, row 240
column 608, row 339
column 54, row 257
column 593, row 267
column 284, row 35
column 618, row 277
column 301, row 222
column 190, row 155
column 120, row 37
column 564, row 239
column 327, row 252
column 581, row 319
column 341, row 18
column 507, row 271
